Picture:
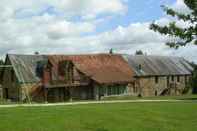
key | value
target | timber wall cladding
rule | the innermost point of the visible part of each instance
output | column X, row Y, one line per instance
column 34, row 91
column 10, row 85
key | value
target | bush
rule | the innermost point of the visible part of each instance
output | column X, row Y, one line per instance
column 194, row 80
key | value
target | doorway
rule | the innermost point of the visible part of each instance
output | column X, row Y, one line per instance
column 6, row 95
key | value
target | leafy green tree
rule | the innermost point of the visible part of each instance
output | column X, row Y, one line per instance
column 1, row 62
column 185, row 35
column 194, row 79
column 111, row 51
column 139, row 52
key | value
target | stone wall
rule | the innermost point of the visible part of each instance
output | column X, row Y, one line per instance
column 162, row 85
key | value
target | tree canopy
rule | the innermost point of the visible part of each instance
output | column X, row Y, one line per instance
column 185, row 35
column 1, row 62
column 139, row 52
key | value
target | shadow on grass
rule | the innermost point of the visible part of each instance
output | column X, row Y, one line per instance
column 187, row 99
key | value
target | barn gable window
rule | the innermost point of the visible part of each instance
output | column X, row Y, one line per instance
column 156, row 79
column 40, row 68
column 66, row 69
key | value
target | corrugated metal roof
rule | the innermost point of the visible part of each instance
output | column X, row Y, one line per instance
column 25, row 66
column 103, row 68
column 158, row 65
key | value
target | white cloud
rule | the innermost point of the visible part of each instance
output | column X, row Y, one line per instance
column 63, row 29
column 89, row 8
column 54, row 33
column 180, row 6
column 69, row 8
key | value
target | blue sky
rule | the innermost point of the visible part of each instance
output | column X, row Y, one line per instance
column 138, row 11
column 87, row 26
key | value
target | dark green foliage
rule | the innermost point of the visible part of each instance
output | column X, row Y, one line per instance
column 111, row 51
column 194, row 79
column 139, row 52
column 185, row 35
column 1, row 62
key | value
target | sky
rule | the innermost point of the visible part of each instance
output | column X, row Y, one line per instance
column 87, row 26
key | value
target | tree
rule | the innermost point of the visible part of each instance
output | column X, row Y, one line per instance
column 111, row 51
column 185, row 35
column 139, row 52
column 1, row 62
column 194, row 78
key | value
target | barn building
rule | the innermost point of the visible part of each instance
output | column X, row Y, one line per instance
column 159, row 75
column 56, row 78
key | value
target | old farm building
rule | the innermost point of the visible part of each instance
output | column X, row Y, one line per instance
column 159, row 75
column 59, row 78
column 56, row 78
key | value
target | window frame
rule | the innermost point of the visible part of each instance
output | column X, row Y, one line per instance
column 156, row 79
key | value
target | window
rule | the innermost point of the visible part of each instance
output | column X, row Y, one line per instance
column 12, row 75
column 156, row 79
column 116, row 90
column 172, row 78
column 39, row 69
column 108, row 90
column 178, row 78
column 168, row 80
column 119, row 90
column 155, row 93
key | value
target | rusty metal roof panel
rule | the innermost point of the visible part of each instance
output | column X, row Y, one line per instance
column 158, row 65
column 103, row 68
column 25, row 66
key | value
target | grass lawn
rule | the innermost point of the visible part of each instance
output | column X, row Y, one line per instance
column 159, row 116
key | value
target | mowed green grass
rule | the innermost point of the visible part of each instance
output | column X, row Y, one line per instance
column 154, row 116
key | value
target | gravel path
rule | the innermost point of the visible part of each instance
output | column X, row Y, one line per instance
column 85, row 103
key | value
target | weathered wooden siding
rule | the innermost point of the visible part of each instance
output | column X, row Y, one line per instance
column 10, row 85
column 32, row 92
column 66, row 94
